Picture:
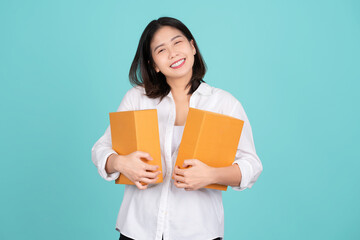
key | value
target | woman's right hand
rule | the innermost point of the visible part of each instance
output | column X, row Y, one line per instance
column 137, row 170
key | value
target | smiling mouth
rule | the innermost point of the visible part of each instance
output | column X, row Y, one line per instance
column 178, row 64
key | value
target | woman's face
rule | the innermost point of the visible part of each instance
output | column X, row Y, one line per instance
column 172, row 53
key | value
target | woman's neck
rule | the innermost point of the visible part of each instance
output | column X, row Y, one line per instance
column 178, row 90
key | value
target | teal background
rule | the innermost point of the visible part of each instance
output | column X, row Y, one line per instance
column 294, row 65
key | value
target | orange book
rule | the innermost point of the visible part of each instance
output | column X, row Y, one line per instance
column 136, row 131
column 211, row 138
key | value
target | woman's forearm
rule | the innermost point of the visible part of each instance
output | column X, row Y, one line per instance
column 229, row 176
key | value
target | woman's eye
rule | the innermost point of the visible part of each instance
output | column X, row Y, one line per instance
column 161, row 50
column 177, row 42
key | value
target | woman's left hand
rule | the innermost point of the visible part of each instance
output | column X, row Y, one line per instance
column 197, row 176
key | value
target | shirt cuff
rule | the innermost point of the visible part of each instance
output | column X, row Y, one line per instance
column 102, row 171
column 246, row 173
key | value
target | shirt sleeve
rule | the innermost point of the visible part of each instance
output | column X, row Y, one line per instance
column 102, row 149
column 246, row 157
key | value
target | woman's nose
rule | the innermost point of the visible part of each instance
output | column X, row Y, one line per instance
column 172, row 53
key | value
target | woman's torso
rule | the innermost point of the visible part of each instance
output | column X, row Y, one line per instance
column 164, row 208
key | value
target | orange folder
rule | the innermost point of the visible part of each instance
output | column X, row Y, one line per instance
column 211, row 138
column 136, row 131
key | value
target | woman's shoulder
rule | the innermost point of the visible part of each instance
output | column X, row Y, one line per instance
column 134, row 96
column 133, row 99
column 228, row 103
column 222, row 95
column 135, row 91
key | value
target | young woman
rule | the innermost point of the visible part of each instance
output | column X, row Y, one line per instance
column 168, row 72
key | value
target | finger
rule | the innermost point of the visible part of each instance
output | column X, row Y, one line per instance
column 148, row 181
column 178, row 178
column 188, row 162
column 149, row 167
column 144, row 155
column 180, row 185
column 140, row 186
column 179, row 171
column 151, row 175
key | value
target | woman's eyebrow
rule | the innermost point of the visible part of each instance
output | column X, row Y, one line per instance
column 172, row 39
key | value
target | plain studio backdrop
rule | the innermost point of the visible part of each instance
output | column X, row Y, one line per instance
column 294, row 65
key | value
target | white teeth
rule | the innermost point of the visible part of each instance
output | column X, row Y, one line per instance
column 178, row 63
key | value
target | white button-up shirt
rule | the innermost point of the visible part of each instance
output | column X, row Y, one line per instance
column 163, row 209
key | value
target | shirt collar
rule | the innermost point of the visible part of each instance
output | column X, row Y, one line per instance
column 203, row 89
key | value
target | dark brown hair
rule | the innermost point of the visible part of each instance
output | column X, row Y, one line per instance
column 142, row 72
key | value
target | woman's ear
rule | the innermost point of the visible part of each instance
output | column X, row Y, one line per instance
column 155, row 67
column 192, row 46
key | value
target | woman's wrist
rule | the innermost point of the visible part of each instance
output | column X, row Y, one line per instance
column 119, row 163
column 113, row 163
column 214, row 175
column 230, row 176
